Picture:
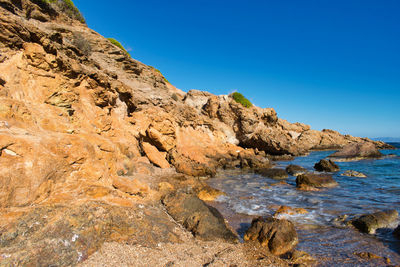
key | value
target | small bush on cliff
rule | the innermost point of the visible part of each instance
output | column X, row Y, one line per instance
column 67, row 7
column 239, row 98
column 118, row 44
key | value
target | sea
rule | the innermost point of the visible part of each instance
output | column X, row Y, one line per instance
column 322, row 231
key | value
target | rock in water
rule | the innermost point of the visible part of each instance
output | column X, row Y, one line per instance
column 368, row 223
column 357, row 151
column 312, row 180
column 396, row 232
column 325, row 165
column 202, row 220
column 295, row 170
column 351, row 173
column 277, row 174
column 279, row 236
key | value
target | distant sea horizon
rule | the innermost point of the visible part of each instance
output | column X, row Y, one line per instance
column 387, row 139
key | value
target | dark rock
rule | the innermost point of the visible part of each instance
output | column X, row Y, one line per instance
column 357, row 151
column 396, row 232
column 279, row 236
column 202, row 220
column 295, row 170
column 368, row 223
column 326, row 166
column 2, row 81
column 277, row 174
column 312, row 180
column 351, row 173
column 285, row 157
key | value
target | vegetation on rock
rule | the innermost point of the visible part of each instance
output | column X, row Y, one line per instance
column 66, row 6
column 118, row 44
column 239, row 98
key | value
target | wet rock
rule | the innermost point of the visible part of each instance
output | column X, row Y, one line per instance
column 357, row 151
column 285, row 210
column 367, row 255
column 202, row 220
column 368, row 223
column 311, row 180
column 277, row 174
column 396, row 232
column 207, row 193
column 301, row 258
column 351, row 173
column 278, row 236
column 326, row 166
column 295, row 170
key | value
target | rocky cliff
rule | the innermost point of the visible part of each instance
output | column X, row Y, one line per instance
column 81, row 121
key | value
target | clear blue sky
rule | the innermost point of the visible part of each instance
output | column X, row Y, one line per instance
column 330, row 64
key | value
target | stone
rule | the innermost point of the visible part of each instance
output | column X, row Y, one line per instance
column 277, row 174
column 130, row 185
column 326, row 166
column 285, row 210
column 295, row 170
column 351, row 173
column 357, row 151
column 312, row 180
column 369, row 223
column 156, row 157
column 277, row 236
column 205, row 222
column 396, row 232
column 207, row 193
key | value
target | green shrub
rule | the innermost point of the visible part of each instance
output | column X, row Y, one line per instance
column 165, row 79
column 239, row 98
column 118, row 44
column 67, row 7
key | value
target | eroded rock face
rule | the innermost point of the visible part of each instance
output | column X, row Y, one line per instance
column 311, row 180
column 202, row 220
column 295, row 170
column 357, row 151
column 278, row 236
column 369, row 223
column 325, row 165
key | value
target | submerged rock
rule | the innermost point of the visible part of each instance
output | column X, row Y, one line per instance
column 279, row 236
column 357, row 151
column 368, row 223
column 351, row 173
column 309, row 181
column 277, row 174
column 202, row 220
column 285, row 210
column 295, row 170
column 207, row 193
column 325, row 165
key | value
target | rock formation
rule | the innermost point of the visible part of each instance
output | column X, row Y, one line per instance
column 295, row 170
column 326, row 166
column 369, row 223
column 311, row 181
column 357, row 151
column 81, row 123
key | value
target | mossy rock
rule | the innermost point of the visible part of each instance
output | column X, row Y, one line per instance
column 118, row 44
column 239, row 98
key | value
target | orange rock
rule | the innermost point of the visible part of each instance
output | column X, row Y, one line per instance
column 210, row 194
column 290, row 211
column 155, row 156
column 130, row 185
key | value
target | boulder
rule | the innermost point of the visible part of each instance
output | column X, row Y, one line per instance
column 277, row 174
column 295, row 170
column 202, row 220
column 207, row 193
column 396, row 232
column 357, row 151
column 351, row 173
column 155, row 156
column 278, row 236
column 312, row 180
column 325, row 165
column 368, row 223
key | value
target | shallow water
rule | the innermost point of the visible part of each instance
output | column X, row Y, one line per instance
column 322, row 237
